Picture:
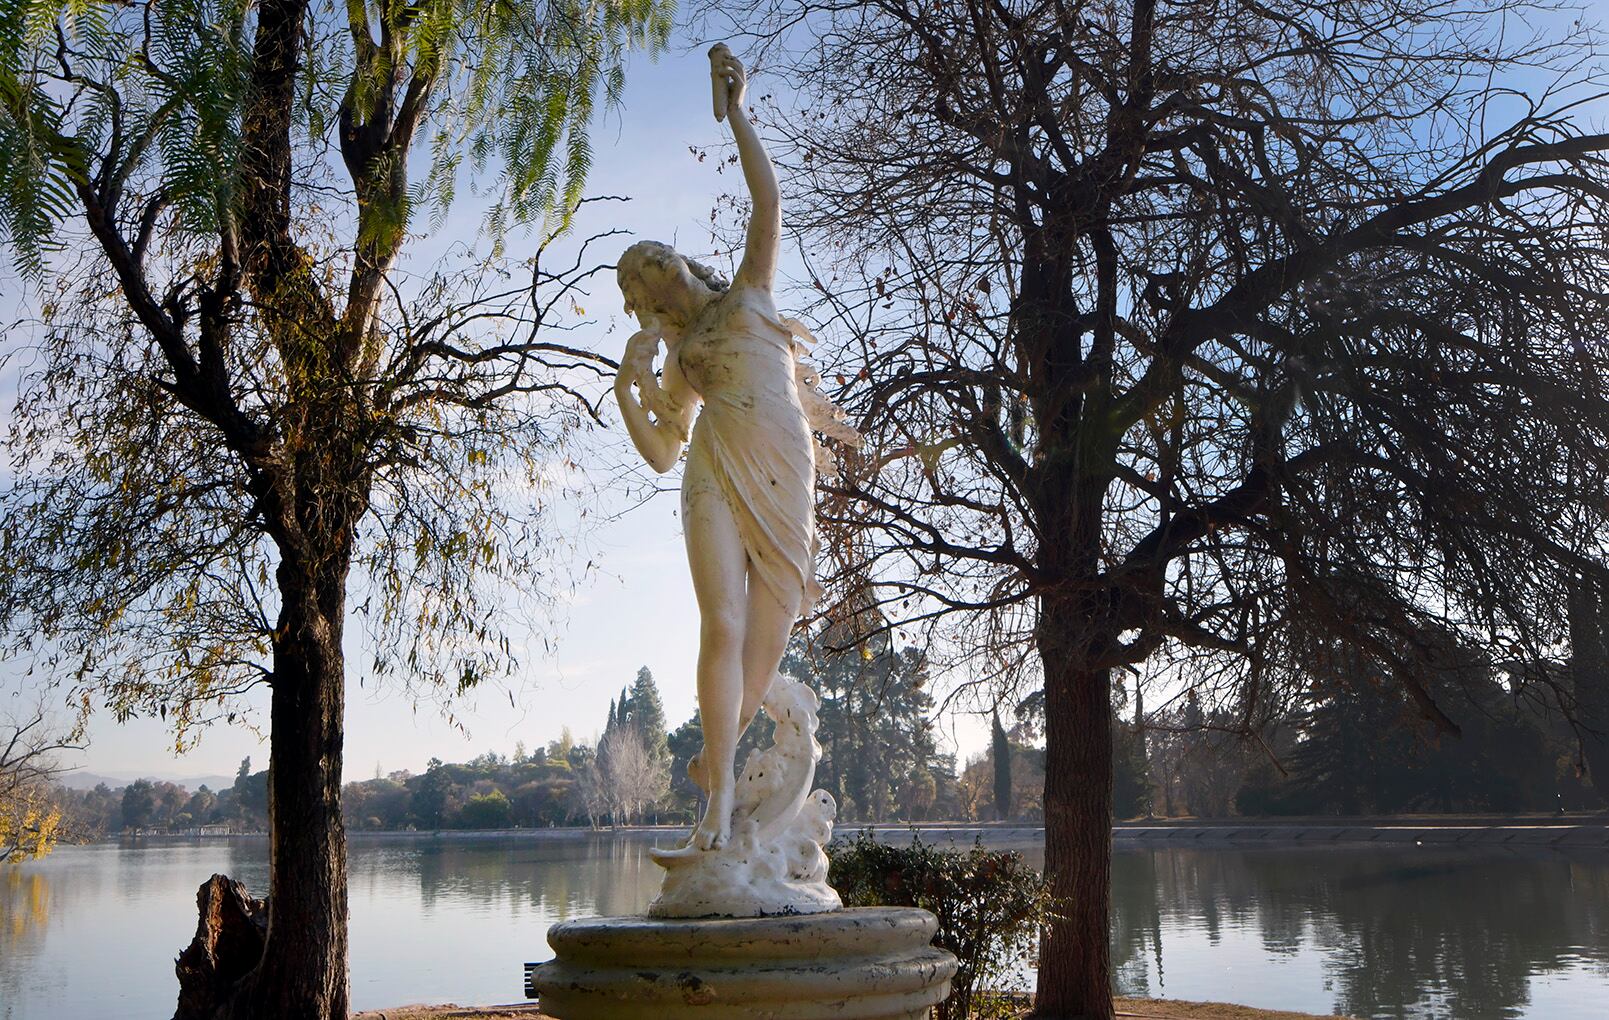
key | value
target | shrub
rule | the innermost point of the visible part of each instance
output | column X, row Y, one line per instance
column 989, row 904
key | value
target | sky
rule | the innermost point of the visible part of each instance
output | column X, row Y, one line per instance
column 637, row 609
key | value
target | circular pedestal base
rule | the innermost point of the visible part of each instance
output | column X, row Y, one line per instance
column 871, row 963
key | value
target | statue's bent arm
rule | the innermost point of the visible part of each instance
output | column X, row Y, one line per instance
column 659, row 439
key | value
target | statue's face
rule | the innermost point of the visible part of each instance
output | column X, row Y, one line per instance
column 663, row 290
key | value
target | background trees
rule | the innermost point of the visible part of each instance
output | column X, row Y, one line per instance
column 209, row 448
column 879, row 758
column 1214, row 337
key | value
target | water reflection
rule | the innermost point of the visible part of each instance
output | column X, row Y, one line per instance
column 596, row 874
column 1373, row 932
column 24, row 913
column 1380, row 933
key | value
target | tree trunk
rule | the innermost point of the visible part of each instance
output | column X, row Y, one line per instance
column 303, row 973
column 1074, row 952
column 228, row 944
column 1589, row 676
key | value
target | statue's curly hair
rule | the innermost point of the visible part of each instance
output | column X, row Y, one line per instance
column 659, row 253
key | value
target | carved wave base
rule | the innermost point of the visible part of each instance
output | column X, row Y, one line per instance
column 868, row 963
column 774, row 862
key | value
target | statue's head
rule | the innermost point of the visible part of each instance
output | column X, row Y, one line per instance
column 657, row 282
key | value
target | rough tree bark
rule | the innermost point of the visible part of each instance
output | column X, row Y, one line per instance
column 1073, row 635
column 303, row 972
column 1078, row 833
column 228, row 944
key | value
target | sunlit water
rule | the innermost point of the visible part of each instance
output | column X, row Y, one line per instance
column 1379, row 932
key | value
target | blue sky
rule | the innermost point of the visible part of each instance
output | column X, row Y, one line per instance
column 638, row 607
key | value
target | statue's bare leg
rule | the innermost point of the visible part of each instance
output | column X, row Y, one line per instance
column 719, row 564
column 766, row 628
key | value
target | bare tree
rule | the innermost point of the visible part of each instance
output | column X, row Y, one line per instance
column 633, row 778
column 591, row 790
column 1220, row 337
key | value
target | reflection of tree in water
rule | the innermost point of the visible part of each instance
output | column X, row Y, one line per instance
column 559, row 878
column 1136, row 923
column 24, row 912
column 1404, row 932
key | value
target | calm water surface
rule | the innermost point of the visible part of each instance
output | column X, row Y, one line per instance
column 1378, row 932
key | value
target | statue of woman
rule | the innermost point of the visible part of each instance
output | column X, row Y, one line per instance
column 748, row 505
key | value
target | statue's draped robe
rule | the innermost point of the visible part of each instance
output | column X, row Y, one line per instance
column 753, row 438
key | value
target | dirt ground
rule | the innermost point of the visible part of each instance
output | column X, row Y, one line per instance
column 1138, row 1009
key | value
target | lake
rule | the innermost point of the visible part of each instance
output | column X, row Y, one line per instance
column 1388, row 932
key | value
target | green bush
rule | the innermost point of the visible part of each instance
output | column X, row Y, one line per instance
column 989, row 904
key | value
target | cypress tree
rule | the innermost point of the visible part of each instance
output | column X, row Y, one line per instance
column 1002, row 771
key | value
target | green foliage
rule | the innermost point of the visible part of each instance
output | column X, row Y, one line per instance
column 490, row 791
column 1360, row 752
column 141, row 560
column 879, row 757
column 149, row 95
column 487, row 811
column 1131, row 785
column 643, row 709
column 152, row 101
column 989, row 904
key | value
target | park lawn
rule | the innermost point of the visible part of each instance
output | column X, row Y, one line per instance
column 1138, row 1009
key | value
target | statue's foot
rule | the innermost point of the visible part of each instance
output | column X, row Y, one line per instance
column 711, row 834
column 715, row 828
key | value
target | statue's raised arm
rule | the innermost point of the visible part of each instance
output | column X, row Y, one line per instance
column 729, row 86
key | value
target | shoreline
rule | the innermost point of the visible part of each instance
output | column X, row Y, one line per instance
column 1137, row 1009
column 1533, row 832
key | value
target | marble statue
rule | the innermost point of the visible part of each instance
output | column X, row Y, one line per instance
column 745, row 926
column 734, row 392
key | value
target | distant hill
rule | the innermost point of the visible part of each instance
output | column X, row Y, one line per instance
column 80, row 780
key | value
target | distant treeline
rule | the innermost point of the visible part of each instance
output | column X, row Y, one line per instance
column 879, row 759
column 1362, row 748
column 148, row 805
column 1355, row 749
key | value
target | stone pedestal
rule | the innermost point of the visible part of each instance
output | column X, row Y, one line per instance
column 870, row 963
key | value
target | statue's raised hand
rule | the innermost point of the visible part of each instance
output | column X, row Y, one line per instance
column 637, row 363
column 637, row 368
column 728, row 82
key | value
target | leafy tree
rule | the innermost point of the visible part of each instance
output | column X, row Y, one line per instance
column 1131, row 781
column 645, row 711
column 429, row 803
column 1203, row 336
column 559, row 750
column 683, row 743
column 139, row 804
column 1589, row 675
column 1027, row 783
column 876, row 728
column 201, row 805
column 255, row 411
column 30, row 818
column 487, row 811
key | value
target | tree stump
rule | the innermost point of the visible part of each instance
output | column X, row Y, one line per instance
column 228, row 945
